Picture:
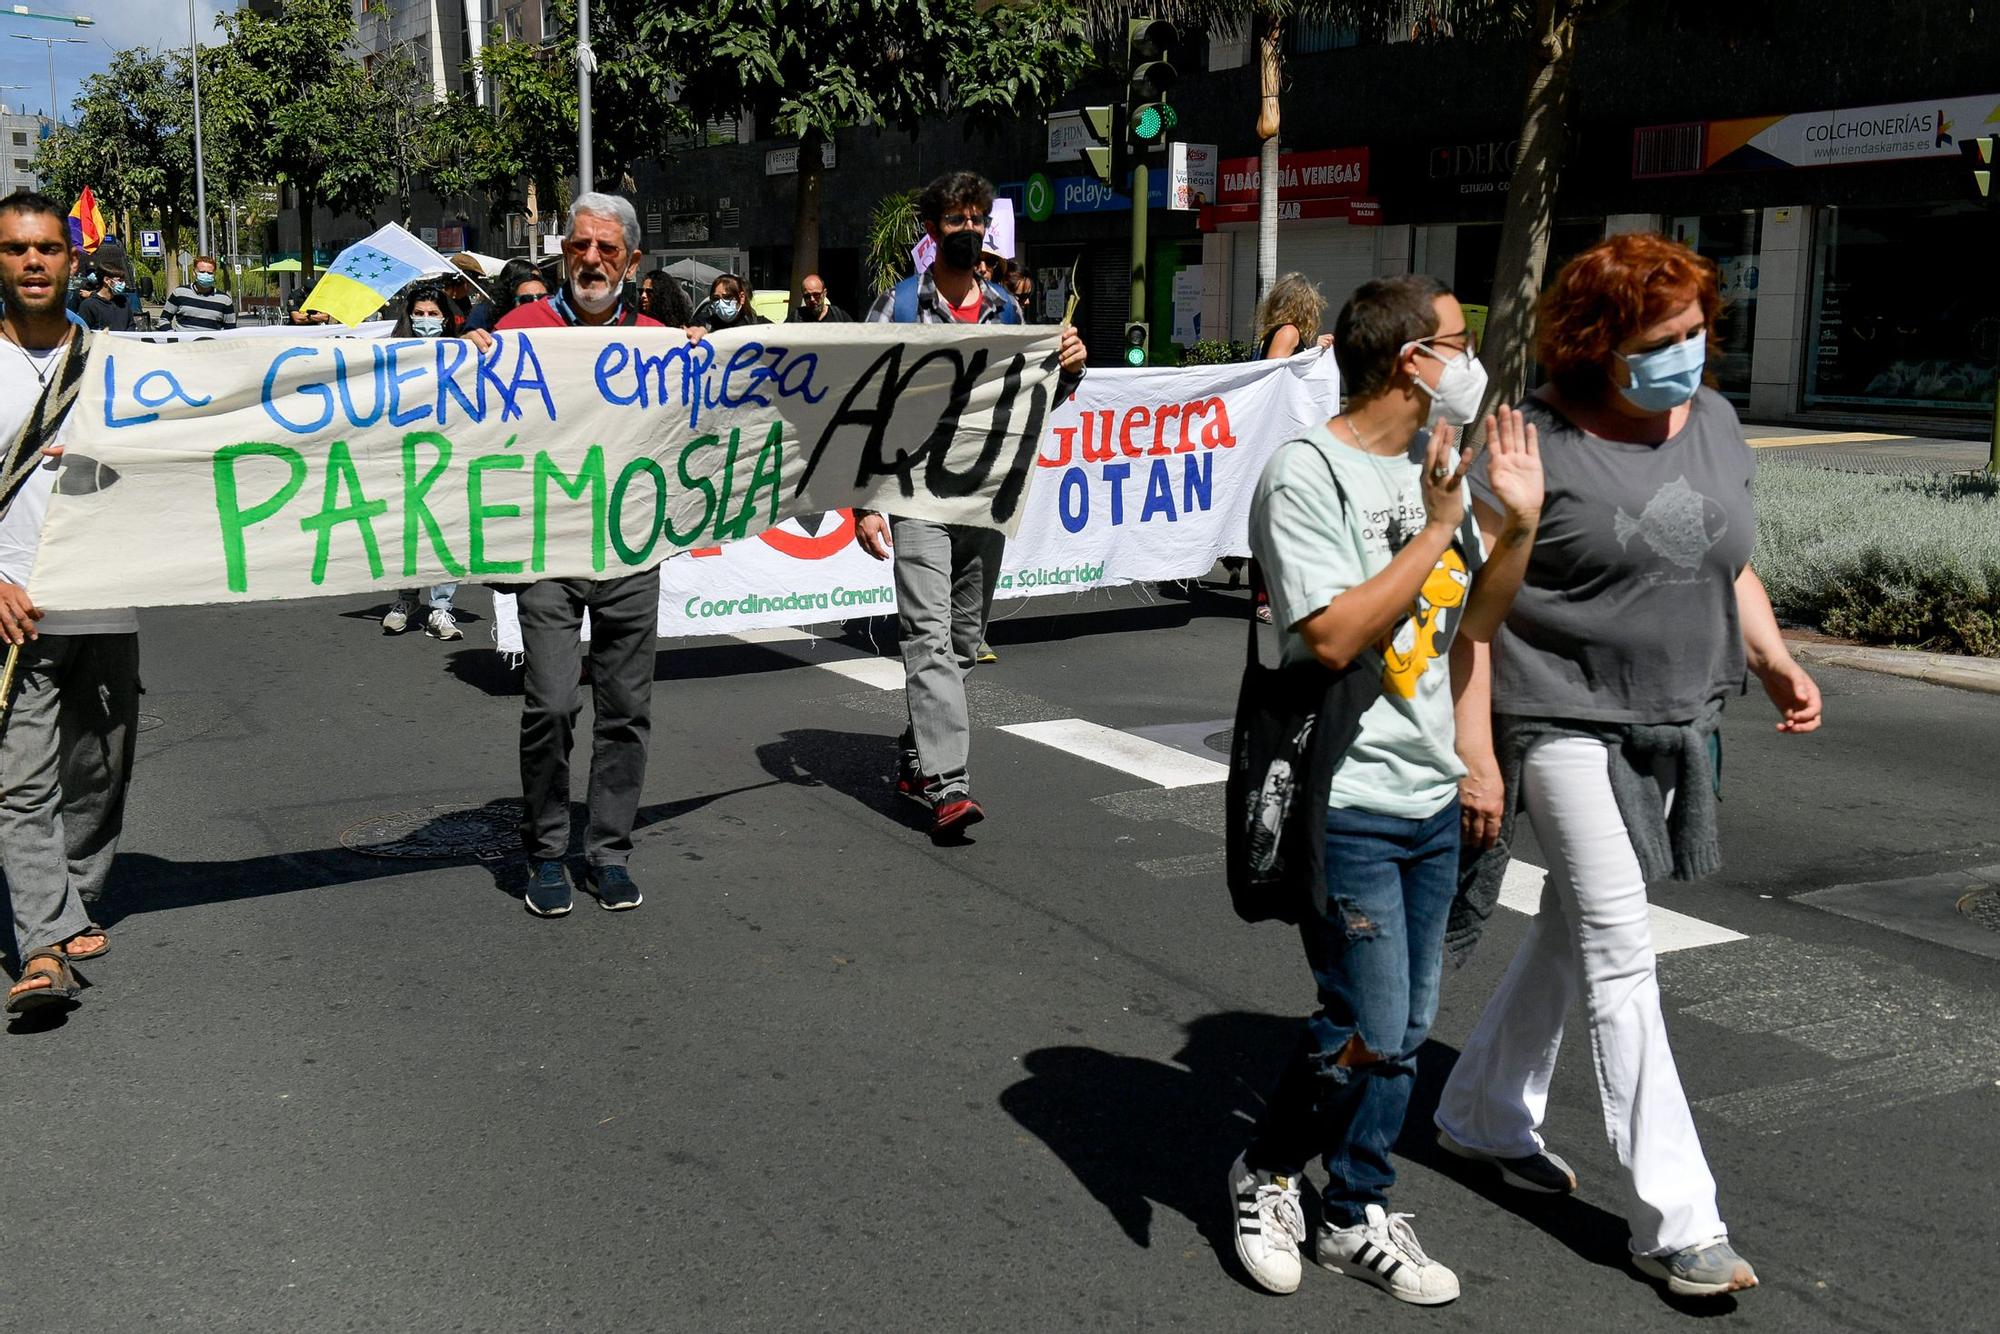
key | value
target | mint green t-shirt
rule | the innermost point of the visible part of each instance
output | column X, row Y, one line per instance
column 1311, row 550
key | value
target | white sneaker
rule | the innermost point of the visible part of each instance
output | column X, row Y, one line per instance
column 1384, row 1251
column 442, row 626
column 1269, row 1226
column 398, row 619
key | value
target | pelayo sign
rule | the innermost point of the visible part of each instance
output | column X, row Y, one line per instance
column 243, row 471
column 1142, row 475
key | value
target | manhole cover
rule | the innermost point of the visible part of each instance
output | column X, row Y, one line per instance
column 1218, row 741
column 1983, row 906
column 148, row 721
column 486, row 833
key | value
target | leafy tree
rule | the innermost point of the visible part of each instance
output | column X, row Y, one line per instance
column 813, row 67
column 304, row 113
column 132, row 141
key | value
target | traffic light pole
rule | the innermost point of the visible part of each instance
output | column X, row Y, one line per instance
column 1140, row 184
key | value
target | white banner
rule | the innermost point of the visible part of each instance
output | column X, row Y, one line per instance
column 241, row 471
column 1143, row 475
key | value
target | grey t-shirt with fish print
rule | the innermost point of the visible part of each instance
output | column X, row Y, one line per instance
column 1628, row 610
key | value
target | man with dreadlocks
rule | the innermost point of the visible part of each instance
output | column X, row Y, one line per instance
column 71, row 710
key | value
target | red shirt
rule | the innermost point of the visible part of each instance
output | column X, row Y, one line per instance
column 969, row 312
column 544, row 315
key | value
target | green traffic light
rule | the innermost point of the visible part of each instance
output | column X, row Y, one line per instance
column 1148, row 123
column 1135, row 356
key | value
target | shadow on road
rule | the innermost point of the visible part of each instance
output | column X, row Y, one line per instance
column 141, row 883
column 1140, row 1133
column 859, row 765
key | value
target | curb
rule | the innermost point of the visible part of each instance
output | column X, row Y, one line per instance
column 1941, row 669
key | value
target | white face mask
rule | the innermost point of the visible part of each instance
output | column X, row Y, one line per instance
column 427, row 326
column 1460, row 389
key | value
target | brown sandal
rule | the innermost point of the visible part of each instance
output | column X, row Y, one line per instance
column 62, row 989
column 93, row 929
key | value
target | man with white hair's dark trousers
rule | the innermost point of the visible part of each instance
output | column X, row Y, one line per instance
column 600, row 251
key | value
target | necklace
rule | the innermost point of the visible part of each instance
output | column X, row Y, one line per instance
column 41, row 376
column 1348, row 422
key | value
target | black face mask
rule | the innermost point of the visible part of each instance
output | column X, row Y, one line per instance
column 960, row 250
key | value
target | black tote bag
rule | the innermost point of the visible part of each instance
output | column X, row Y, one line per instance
column 1293, row 725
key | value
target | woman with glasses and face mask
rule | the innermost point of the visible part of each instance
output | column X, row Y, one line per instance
column 728, row 306
column 426, row 313
column 1598, row 715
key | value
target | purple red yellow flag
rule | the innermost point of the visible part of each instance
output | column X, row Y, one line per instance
column 86, row 222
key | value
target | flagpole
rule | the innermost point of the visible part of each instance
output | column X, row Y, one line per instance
column 586, row 65
column 200, row 179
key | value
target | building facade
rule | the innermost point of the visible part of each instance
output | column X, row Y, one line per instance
column 21, row 135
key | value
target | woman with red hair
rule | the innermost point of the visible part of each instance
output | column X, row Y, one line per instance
column 1638, row 617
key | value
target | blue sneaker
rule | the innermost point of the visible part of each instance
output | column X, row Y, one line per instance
column 613, row 887
column 548, row 889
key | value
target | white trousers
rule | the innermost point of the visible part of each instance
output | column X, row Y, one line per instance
column 1592, row 931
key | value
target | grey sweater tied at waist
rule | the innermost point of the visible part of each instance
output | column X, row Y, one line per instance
column 1683, row 844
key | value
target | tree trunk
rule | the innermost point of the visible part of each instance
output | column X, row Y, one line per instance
column 1270, row 35
column 170, row 265
column 1531, row 198
column 805, row 214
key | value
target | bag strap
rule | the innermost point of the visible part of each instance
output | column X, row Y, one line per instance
column 903, row 306
column 58, row 395
column 1257, row 589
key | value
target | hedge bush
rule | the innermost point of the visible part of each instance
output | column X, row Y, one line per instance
column 1885, row 560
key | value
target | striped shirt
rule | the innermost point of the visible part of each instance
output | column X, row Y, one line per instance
column 199, row 312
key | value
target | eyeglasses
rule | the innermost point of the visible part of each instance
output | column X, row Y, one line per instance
column 976, row 221
column 1464, row 338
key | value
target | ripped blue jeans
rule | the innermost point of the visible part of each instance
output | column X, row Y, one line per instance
column 1376, row 958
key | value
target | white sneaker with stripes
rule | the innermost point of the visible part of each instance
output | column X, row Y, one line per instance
column 1384, row 1251
column 1269, row 1226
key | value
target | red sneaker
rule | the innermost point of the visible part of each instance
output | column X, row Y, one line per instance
column 952, row 813
column 911, row 785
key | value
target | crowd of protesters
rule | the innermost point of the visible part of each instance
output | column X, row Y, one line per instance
column 1523, row 655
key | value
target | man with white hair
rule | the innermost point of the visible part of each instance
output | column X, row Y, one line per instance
column 600, row 250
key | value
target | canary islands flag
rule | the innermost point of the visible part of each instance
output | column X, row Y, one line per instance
column 369, row 273
column 86, row 222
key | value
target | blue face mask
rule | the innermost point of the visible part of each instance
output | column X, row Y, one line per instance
column 724, row 308
column 204, row 280
column 1663, row 380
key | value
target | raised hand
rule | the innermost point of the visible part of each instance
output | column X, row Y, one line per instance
column 1514, row 464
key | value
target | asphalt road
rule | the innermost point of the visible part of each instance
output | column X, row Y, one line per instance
column 833, row 1077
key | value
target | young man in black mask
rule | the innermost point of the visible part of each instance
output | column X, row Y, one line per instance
column 945, row 574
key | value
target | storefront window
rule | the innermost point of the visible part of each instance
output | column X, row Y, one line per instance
column 1730, row 239
column 1905, row 311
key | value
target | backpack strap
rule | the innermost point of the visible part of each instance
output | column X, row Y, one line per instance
column 903, row 309
column 1258, row 591
column 1010, row 309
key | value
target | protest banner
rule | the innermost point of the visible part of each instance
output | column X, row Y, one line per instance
column 1142, row 475
column 236, row 471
